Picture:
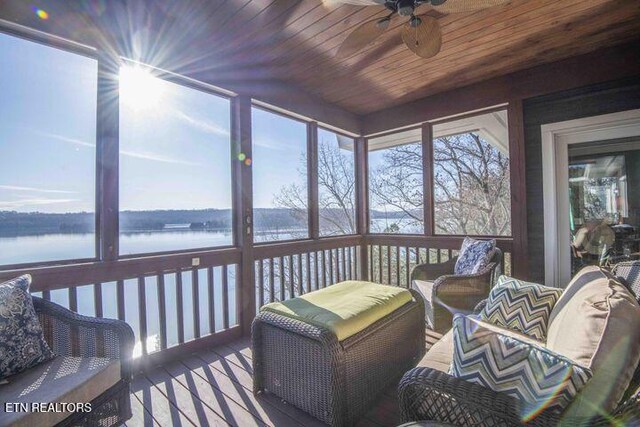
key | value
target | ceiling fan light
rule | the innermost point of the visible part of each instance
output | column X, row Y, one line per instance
column 405, row 7
column 415, row 21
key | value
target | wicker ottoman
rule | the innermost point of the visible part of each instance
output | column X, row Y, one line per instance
column 336, row 382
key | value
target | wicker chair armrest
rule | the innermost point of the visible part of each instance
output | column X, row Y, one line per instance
column 71, row 334
column 433, row 271
column 464, row 291
column 428, row 394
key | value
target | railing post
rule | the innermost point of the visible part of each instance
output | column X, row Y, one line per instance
column 313, row 190
column 241, row 160
column 362, row 203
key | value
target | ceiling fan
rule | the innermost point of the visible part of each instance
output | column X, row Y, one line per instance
column 421, row 33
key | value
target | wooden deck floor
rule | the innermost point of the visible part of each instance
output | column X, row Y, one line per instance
column 214, row 388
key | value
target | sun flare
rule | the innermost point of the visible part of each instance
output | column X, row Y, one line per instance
column 139, row 89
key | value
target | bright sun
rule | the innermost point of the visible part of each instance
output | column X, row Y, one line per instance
column 139, row 89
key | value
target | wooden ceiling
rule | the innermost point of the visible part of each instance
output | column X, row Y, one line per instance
column 260, row 42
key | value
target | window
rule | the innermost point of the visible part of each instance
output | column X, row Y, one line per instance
column 472, row 193
column 336, row 184
column 396, row 183
column 175, row 166
column 280, row 195
column 47, row 153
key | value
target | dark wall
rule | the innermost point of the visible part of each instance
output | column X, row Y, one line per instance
column 588, row 101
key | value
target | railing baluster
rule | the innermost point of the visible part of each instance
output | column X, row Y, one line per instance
column 97, row 299
column 316, row 265
column 389, row 265
column 162, row 310
column 407, row 263
column 350, row 269
column 179, row 306
column 120, row 298
column 195, row 298
column 331, row 261
column 225, row 297
column 142, row 314
column 272, row 280
column 300, row 284
column 282, row 293
column 261, row 281
column 324, row 269
column 212, row 305
column 46, row 295
column 291, row 277
column 397, row 266
column 380, row 266
column 308, row 271
column 344, row 264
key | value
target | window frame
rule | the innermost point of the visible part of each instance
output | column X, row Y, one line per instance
column 210, row 90
column 309, row 147
column 431, row 124
column 425, row 166
column 355, row 177
column 68, row 46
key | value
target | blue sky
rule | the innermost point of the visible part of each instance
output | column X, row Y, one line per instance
column 174, row 140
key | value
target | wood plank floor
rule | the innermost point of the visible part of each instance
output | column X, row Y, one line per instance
column 214, row 388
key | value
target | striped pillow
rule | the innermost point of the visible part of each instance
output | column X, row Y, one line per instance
column 542, row 379
column 521, row 306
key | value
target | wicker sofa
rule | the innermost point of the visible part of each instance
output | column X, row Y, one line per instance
column 445, row 293
column 428, row 392
column 93, row 364
column 335, row 381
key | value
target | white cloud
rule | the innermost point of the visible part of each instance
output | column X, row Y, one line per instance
column 135, row 154
column 203, row 125
column 32, row 189
column 4, row 205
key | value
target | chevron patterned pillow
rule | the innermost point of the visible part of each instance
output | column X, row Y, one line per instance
column 542, row 379
column 521, row 306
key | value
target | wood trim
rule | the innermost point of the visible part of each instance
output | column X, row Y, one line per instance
column 599, row 66
column 427, row 177
column 517, row 166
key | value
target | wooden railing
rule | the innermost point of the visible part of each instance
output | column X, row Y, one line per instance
column 390, row 258
column 170, row 301
column 286, row 270
column 187, row 301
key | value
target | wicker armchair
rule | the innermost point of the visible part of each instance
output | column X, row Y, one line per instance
column 445, row 293
column 629, row 272
column 70, row 334
column 428, row 394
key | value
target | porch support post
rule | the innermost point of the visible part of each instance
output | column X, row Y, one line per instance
column 362, row 202
column 312, row 168
column 241, row 160
column 427, row 177
column 107, row 159
column 517, row 164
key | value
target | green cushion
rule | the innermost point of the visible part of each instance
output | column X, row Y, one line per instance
column 345, row 308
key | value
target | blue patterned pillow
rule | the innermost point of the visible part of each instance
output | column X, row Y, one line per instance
column 22, row 344
column 542, row 379
column 474, row 255
column 522, row 306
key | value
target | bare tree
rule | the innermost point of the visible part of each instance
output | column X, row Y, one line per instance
column 472, row 194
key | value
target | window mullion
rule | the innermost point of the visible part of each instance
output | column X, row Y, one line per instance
column 312, row 180
column 427, row 178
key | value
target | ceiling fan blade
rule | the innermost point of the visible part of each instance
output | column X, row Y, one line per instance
column 360, row 38
column 460, row 6
column 425, row 39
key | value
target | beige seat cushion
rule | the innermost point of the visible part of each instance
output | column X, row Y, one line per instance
column 440, row 356
column 60, row 380
column 596, row 323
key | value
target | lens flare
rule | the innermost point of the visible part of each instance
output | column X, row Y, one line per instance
column 41, row 13
column 242, row 156
column 247, row 162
